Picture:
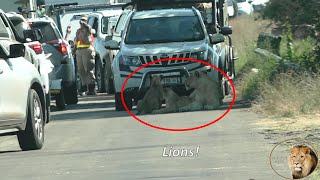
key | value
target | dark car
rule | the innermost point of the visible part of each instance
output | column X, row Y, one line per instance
column 62, row 59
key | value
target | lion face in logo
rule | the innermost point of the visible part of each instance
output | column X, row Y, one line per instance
column 302, row 161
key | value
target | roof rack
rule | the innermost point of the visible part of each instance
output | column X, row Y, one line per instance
column 217, row 7
column 74, row 7
column 149, row 4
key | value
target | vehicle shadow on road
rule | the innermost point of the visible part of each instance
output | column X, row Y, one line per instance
column 238, row 104
column 84, row 106
column 88, row 115
column 98, row 97
column 10, row 151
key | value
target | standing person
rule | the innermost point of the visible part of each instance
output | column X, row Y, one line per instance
column 85, row 54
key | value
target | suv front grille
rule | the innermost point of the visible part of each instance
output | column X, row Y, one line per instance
column 145, row 59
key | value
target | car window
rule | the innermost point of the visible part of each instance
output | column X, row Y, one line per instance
column 3, row 30
column 20, row 26
column 104, row 23
column 120, row 23
column 90, row 21
column 2, row 53
column 95, row 25
column 46, row 30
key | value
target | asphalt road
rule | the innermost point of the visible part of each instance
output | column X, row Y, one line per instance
column 91, row 141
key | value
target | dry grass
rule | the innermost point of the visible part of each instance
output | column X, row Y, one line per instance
column 245, row 34
column 290, row 95
column 306, row 122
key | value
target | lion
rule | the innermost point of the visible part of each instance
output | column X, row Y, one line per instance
column 173, row 102
column 153, row 98
column 302, row 161
column 206, row 95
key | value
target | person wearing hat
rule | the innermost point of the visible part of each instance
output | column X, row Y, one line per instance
column 85, row 57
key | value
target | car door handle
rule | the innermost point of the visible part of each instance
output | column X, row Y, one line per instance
column 1, row 71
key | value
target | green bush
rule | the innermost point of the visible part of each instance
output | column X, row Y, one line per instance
column 289, row 13
column 294, row 12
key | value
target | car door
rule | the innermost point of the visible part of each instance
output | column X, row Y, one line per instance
column 15, row 82
column 118, row 30
column 99, row 36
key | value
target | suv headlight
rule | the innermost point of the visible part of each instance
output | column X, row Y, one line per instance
column 198, row 55
column 130, row 60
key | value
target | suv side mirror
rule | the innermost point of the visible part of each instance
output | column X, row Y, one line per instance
column 227, row 30
column 216, row 38
column 108, row 38
column 17, row 50
column 112, row 45
column 33, row 34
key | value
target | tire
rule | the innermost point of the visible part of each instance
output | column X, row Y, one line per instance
column 235, row 8
column 71, row 94
column 79, row 84
column 221, row 84
column 109, row 85
column 99, row 69
column 118, row 102
column 48, row 99
column 32, row 138
column 226, row 70
column 60, row 100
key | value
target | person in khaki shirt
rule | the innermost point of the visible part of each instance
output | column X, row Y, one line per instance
column 85, row 57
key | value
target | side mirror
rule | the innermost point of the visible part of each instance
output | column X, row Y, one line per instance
column 71, row 43
column 216, row 38
column 33, row 34
column 250, row 1
column 112, row 45
column 17, row 50
column 227, row 30
column 108, row 38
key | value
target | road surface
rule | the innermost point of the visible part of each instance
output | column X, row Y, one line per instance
column 91, row 141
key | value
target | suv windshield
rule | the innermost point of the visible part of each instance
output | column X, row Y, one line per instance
column 164, row 29
column 46, row 30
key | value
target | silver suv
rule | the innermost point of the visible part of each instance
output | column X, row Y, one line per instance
column 155, row 34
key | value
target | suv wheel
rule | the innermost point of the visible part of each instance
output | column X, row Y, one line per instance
column 99, row 69
column 118, row 102
column 79, row 84
column 108, row 83
column 60, row 100
column 71, row 94
column 32, row 138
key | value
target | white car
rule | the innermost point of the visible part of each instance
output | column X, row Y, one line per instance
column 34, row 49
column 155, row 34
column 22, row 96
column 258, row 5
column 232, row 8
column 245, row 7
column 100, row 21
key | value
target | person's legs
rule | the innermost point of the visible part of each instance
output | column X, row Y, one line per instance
column 80, row 54
column 91, row 80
